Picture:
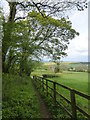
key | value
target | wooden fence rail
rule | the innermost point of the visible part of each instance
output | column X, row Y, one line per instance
column 73, row 114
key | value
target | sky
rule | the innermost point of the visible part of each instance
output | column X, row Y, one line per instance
column 78, row 47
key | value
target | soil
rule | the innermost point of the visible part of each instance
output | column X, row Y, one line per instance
column 45, row 113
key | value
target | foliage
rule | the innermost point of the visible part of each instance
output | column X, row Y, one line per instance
column 33, row 38
column 37, row 34
column 49, row 75
column 57, row 68
column 51, row 8
column 19, row 100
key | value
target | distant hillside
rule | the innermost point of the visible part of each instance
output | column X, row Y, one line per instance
column 67, row 65
column 76, row 64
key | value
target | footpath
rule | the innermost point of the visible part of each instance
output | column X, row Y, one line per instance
column 45, row 113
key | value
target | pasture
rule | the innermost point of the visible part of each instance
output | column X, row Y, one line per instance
column 75, row 80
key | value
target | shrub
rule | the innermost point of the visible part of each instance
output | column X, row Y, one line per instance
column 49, row 75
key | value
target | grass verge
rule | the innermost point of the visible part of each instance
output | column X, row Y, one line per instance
column 19, row 98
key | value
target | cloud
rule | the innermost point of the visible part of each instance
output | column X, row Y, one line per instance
column 80, row 20
column 4, row 4
column 78, row 48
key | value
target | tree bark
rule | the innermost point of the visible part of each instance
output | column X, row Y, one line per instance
column 7, row 33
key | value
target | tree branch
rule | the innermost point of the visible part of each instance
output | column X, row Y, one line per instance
column 19, row 18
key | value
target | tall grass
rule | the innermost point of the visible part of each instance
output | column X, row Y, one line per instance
column 19, row 98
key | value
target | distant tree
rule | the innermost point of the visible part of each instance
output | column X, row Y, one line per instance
column 57, row 68
column 81, row 68
column 63, row 67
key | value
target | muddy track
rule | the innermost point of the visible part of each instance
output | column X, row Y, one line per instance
column 45, row 113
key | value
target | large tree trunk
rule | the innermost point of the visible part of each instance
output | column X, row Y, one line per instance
column 3, row 63
column 7, row 29
column 5, row 44
column 12, row 11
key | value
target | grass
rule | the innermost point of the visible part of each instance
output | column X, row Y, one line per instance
column 19, row 98
column 75, row 80
column 40, row 72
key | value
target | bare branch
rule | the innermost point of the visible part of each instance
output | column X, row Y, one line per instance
column 19, row 18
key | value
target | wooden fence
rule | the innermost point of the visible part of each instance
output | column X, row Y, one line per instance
column 44, row 83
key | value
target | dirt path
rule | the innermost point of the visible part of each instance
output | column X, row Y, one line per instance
column 43, row 108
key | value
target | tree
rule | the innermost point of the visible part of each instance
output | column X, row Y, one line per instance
column 38, row 36
column 57, row 68
column 45, row 8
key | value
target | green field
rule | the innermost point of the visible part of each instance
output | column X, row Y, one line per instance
column 78, row 81
column 75, row 80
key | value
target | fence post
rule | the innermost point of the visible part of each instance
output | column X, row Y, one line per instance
column 73, row 105
column 34, row 77
column 43, row 84
column 54, row 85
column 47, row 87
column 40, row 83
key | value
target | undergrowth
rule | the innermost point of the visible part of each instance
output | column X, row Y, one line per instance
column 19, row 101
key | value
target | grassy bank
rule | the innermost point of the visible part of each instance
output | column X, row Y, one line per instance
column 19, row 98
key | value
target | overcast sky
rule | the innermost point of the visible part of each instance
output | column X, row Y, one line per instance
column 78, row 47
